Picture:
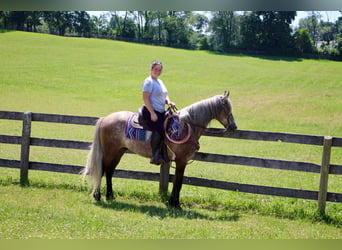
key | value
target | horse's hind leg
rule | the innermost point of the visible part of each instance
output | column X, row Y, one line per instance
column 109, row 168
column 109, row 193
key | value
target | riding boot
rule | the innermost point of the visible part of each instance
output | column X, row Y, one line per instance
column 156, row 145
column 164, row 154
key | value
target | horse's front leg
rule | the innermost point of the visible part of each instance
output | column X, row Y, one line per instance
column 177, row 185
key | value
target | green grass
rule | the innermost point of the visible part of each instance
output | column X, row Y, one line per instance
column 58, row 207
column 91, row 77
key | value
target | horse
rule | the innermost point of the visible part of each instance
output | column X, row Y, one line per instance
column 110, row 143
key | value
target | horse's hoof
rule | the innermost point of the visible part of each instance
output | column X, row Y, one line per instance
column 97, row 196
column 110, row 198
column 174, row 204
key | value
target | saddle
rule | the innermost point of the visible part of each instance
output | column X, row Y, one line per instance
column 136, row 123
column 138, row 129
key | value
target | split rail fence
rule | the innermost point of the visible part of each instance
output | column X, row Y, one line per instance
column 322, row 195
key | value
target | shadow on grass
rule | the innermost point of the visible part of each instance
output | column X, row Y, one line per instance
column 258, row 55
column 78, row 186
column 224, row 211
column 5, row 31
column 166, row 212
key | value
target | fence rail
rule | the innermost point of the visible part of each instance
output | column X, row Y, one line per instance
column 164, row 177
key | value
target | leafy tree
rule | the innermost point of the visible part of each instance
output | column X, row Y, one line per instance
column 276, row 31
column 33, row 20
column 199, row 23
column 251, row 30
column 177, row 29
column 311, row 23
column 204, row 43
column 326, row 31
column 225, row 30
column 81, row 22
column 303, row 41
column 123, row 26
column 17, row 18
column 338, row 36
column 268, row 31
column 145, row 20
column 58, row 21
column 99, row 26
column 160, row 18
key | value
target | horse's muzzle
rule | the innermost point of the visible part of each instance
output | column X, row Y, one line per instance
column 232, row 127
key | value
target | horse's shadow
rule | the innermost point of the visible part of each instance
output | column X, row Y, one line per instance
column 165, row 212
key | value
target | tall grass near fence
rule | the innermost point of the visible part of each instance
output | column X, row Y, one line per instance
column 91, row 77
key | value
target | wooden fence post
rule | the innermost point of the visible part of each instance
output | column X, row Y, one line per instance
column 25, row 148
column 323, row 185
column 164, row 178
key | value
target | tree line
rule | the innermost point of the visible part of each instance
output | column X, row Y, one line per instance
column 263, row 32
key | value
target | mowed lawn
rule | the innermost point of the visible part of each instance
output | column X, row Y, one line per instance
column 91, row 77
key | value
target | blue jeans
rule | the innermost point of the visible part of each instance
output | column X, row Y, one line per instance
column 157, row 126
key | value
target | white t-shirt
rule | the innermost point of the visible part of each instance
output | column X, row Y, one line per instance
column 158, row 93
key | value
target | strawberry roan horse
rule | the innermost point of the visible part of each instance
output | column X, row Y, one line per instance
column 110, row 142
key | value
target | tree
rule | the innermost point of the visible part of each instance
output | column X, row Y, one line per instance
column 33, row 20
column 161, row 16
column 338, row 36
column 268, row 31
column 81, row 22
column 276, row 32
column 58, row 21
column 170, row 25
column 203, row 43
column 311, row 23
column 251, row 30
column 225, row 29
column 199, row 23
column 144, row 21
column 303, row 41
column 17, row 18
column 123, row 26
column 99, row 26
column 178, row 31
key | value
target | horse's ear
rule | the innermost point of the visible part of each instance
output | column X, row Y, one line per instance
column 226, row 94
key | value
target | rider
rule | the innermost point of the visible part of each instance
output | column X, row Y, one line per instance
column 155, row 97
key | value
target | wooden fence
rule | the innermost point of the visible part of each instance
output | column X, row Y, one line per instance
column 322, row 195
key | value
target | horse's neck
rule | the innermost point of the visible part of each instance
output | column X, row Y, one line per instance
column 198, row 115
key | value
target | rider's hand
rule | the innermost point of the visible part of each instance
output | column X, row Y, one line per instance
column 154, row 117
column 171, row 104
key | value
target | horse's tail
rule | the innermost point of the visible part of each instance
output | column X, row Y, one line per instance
column 94, row 162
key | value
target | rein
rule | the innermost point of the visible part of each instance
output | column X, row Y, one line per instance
column 187, row 139
column 172, row 113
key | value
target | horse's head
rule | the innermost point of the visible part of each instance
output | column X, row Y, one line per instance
column 225, row 115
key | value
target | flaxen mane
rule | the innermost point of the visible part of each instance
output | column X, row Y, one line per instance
column 202, row 112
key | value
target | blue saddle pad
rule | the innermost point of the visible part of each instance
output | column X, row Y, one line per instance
column 136, row 132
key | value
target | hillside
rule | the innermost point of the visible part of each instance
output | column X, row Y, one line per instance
column 51, row 74
column 96, row 77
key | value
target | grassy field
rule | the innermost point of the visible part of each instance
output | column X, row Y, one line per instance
column 91, row 77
